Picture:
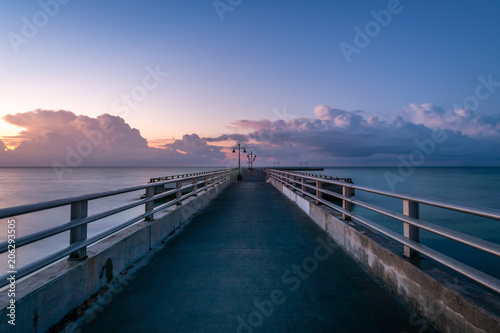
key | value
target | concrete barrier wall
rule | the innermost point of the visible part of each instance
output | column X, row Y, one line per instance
column 44, row 298
column 435, row 294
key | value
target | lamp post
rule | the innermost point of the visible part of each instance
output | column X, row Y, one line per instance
column 240, row 177
column 251, row 158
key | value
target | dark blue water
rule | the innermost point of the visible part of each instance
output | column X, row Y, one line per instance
column 478, row 187
column 20, row 186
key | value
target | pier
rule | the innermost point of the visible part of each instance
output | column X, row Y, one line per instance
column 244, row 264
column 280, row 251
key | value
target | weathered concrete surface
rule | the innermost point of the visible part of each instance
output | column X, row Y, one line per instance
column 449, row 303
column 45, row 297
column 252, row 261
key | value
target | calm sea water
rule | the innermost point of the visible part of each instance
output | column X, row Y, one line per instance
column 472, row 186
column 20, row 186
column 478, row 187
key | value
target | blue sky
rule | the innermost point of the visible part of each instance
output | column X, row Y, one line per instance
column 266, row 60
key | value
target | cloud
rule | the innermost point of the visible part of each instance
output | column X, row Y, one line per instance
column 61, row 136
column 63, row 139
column 461, row 120
column 197, row 148
column 338, row 137
column 331, row 137
column 225, row 137
column 40, row 122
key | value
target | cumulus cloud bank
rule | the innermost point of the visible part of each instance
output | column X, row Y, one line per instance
column 339, row 137
column 331, row 137
column 460, row 120
column 63, row 139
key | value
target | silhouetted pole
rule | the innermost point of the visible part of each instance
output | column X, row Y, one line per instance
column 240, row 177
column 251, row 158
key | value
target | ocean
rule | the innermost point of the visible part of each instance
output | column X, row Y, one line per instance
column 478, row 187
column 21, row 186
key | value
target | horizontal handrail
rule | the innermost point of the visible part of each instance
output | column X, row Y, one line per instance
column 30, row 208
column 158, row 179
column 34, row 237
column 462, row 208
column 342, row 179
column 457, row 236
column 411, row 219
column 199, row 182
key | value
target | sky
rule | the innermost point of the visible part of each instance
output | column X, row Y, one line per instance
column 159, row 83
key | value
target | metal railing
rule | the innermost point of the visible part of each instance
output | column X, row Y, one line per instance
column 201, row 173
column 300, row 183
column 77, row 250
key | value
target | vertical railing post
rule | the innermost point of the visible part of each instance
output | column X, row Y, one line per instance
column 150, row 192
column 346, row 205
column 319, row 194
column 79, row 210
column 195, row 187
column 303, row 186
column 411, row 209
column 178, row 185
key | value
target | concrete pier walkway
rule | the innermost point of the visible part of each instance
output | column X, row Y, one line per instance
column 252, row 261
